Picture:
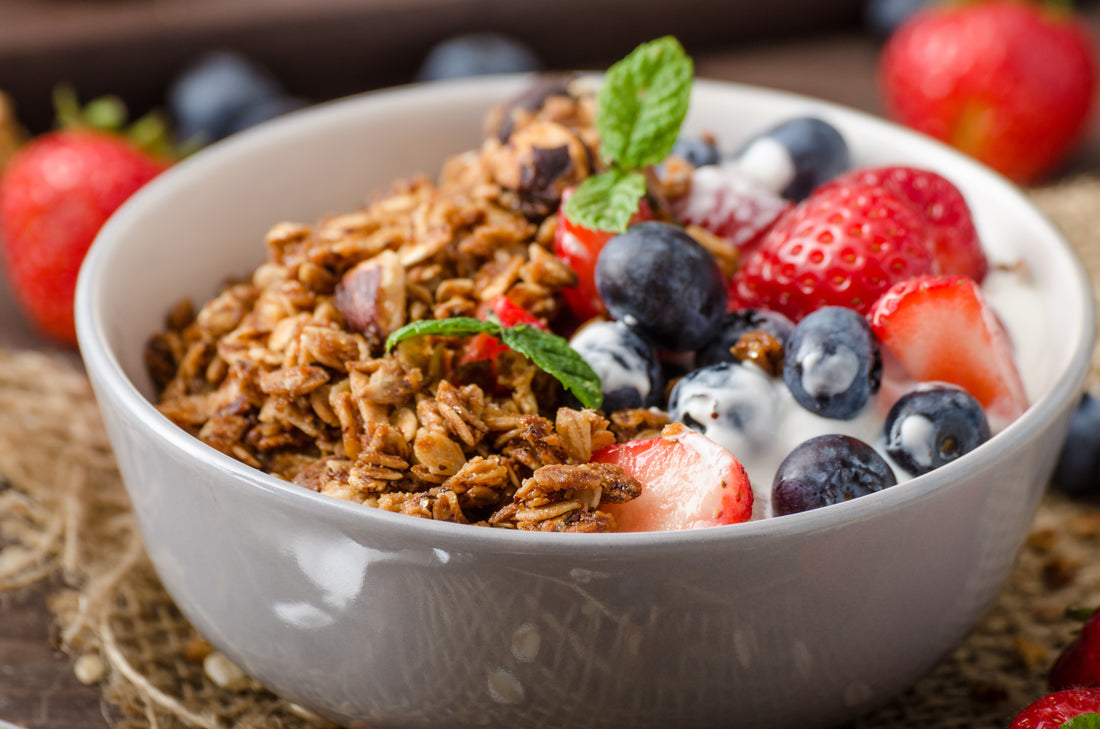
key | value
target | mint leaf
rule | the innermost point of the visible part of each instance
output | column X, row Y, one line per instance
column 547, row 351
column 606, row 201
column 459, row 326
column 642, row 103
column 553, row 355
column 1084, row 721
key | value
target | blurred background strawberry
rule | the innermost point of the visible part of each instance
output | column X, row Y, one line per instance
column 1009, row 82
column 58, row 190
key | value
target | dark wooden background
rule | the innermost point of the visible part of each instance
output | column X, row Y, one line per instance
column 330, row 48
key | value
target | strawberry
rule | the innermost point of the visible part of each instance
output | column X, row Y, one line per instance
column 487, row 347
column 58, row 190
column 940, row 328
column 55, row 195
column 688, row 481
column 842, row 246
column 579, row 247
column 1057, row 710
column 953, row 239
column 1078, row 665
column 1010, row 83
column 731, row 205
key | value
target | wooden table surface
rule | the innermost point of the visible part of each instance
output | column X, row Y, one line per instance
column 37, row 686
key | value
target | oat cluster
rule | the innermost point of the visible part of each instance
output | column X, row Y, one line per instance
column 286, row 372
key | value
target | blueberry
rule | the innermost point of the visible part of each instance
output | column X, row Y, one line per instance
column 477, row 54
column 627, row 365
column 733, row 405
column 698, row 150
column 264, row 110
column 932, row 426
column 832, row 364
column 827, row 470
column 659, row 281
column 1078, row 469
column 794, row 157
column 206, row 97
column 882, row 17
column 737, row 324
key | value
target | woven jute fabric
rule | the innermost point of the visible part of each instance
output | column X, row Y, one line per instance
column 64, row 515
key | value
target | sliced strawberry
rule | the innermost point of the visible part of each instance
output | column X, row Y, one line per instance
column 510, row 314
column 730, row 204
column 579, row 247
column 688, row 481
column 953, row 239
column 843, row 246
column 940, row 328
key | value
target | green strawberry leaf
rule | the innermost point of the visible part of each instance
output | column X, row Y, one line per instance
column 1083, row 721
column 553, row 355
column 642, row 103
column 606, row 201
column 459, row 326
column 151, row 133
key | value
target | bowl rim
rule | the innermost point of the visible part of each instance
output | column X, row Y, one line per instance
column 103, row 365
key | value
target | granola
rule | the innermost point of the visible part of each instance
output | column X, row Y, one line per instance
column 285, row 371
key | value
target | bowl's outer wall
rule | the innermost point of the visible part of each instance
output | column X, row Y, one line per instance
column 368, row 617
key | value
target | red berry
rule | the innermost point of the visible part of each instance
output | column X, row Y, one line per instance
column 1009, row 83
column 688, row 481
column 1054, row 710
column 940, row 328
column 485, row 346
column 579, row 247
column 731, row 205
column 842, row 246
column 55, row 195
column 953, row 239
column 1078, row 666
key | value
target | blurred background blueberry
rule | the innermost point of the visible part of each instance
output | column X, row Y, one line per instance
column 882, row 17
column 477, row 54
column 223, row 92
column 1078, row 469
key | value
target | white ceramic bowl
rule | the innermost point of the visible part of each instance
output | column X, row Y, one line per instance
column 381, row 620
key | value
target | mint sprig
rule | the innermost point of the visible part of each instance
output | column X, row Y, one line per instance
column 547, row 351
column 600, row 202
column 458, row 326
column 1082, row 721
column 640, row 106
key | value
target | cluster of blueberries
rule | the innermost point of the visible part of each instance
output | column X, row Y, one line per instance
column 668, row 301
column 666, row 295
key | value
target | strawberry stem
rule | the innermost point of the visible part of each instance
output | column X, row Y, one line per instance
column 1058, row 7
column 150, row 133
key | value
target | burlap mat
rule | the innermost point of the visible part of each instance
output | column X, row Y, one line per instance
column 64, row 514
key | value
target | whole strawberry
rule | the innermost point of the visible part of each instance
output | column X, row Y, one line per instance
column 843, row 246
column 953, row 240
column 1010, row 83
column 1078, row 665
column 1061, row 710
column 55, row 195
